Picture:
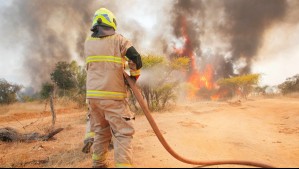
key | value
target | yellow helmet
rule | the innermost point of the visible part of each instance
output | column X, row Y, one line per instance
column 104, row 17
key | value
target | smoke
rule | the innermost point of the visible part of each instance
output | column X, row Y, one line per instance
column 227, row 34
column 186, row 17
column 234, row 29
column 247, row 23
column 53, row 30
column 49, row 31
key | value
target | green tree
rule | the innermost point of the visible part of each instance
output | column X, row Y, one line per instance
column 63, row 76
column 80, row 77
column 78, row 93
column 241, row 85
column 8, row 92
column 46, row 91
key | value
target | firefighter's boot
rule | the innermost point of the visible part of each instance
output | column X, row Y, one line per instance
column 87, row 145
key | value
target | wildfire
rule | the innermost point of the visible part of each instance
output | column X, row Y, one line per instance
column 203, row 79
column 197, row 79
column 219, row 95
column 200, row 80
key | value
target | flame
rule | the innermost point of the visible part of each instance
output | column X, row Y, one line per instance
column 187, row 50
column 219, row 95
column 215, row 97
column 198, row 79
column 202, row 79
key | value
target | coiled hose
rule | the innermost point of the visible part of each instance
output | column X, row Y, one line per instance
column 154, row 126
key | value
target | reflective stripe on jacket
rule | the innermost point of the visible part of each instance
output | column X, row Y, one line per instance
column 105, row 58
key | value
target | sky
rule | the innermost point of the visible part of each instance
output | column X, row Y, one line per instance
column 144, row 23
column 10, row 58
column 279, row 57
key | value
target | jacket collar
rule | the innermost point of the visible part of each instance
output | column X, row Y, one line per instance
column 102, row 31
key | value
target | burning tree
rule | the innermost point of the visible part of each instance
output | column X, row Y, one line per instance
column 200, row 78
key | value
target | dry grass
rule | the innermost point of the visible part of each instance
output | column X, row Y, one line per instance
column 27, row 108
column 4, row 109
column 66, row 101
column 63, row 151
column 262, row 129
column 37, row 109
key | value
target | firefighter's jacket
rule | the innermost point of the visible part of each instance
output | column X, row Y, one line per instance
column 105, row 59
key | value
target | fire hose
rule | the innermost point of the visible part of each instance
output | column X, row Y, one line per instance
column 162, row 140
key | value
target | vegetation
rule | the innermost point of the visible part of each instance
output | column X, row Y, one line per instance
column 69, row 80
column 240, row 85
column 63, row 76
column 291, row 85
column 160, row 87
column 8, row 92
column 46, row 91
column 261, row 89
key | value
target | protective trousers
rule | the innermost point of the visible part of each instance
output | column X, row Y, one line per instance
column 111, row 119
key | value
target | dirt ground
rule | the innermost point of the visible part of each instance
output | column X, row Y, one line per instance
column 262, row 130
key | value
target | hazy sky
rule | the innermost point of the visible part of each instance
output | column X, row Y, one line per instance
column 278, row 57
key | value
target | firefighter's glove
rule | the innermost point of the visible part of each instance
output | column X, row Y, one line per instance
column 135, row 78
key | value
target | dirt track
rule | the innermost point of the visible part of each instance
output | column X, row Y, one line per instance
column 261, row 130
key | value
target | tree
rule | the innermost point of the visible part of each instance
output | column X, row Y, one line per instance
column 80, row 77
column 78, row 94
column 47, row 90
column 63, row 76
column 261, row 89
column 8, row 92
column 162, row 79
column 241, row 85
column 46, row 93
column 290, row 85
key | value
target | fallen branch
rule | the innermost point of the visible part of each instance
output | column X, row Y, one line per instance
column 51, row 134
column 11, row 135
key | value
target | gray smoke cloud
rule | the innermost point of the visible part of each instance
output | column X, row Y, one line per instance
column 247, row 23
column 50, row 31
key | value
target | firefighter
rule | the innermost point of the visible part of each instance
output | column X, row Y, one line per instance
column 106, row 53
